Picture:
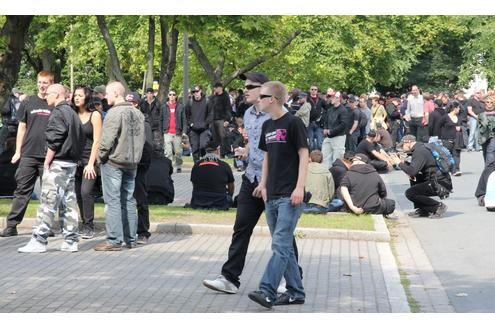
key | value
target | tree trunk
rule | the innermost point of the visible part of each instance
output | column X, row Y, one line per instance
column 12, row 39
column 215, row 74
column 150, row 55
column 115, row 73
column 169, row 55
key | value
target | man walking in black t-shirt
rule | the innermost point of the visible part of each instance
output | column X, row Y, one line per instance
column 285, row 143
column 30, row 148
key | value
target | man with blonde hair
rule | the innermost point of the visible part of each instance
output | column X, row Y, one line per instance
column 285, row 143
column 65, row 142
column 33, row 117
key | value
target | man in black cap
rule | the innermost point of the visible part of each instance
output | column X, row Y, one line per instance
column 426, row 179
column 213, row 181
column 222, row 114
column 199, row 117
column 151, row 107
column 363, row 189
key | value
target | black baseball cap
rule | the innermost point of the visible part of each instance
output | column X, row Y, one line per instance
column 255, row 77
column 150, row 90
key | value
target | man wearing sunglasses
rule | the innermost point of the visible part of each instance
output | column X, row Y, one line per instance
column 199, row 117
column 249, row 207
column 174, row 128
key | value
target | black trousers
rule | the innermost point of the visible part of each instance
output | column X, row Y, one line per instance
column 85, row 198
column 420, row 193
column 198, row 141
column 379, row 165
column 249, row 210
column 28, row 171
column 141, row 196
column 417, row 129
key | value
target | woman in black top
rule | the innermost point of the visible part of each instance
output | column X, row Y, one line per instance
column 86, row 171
column 451, row 135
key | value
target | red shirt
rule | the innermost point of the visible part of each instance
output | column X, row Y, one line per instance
column 172, row 126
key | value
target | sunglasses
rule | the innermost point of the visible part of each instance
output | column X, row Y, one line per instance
column 262, row 96
column 194, row 91
column 251, row 86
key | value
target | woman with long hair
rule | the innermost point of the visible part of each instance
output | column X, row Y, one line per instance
column 86, row 173
column 451, row 135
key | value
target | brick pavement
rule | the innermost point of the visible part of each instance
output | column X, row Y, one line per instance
column 166, row 275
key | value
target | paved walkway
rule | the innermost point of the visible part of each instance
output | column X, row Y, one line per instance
column 166, row 275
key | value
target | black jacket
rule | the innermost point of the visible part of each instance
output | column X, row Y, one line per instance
column 64, row 134
column 336, row 121
column 154, row 112
column 180, row 118
column 434, row 122
column 316, row 109
column 221, row 107
column 365, row 185
column 198, row 114
column 145, row 161
column 338, row 170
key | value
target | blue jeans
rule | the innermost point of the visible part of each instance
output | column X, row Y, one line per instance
column 315, row 136
column 473, row 134
column 120, row 205
column 282, row 219
column 314, row 209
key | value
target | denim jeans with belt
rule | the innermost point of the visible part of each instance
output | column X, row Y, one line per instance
column 282, row 219
column 120, row 205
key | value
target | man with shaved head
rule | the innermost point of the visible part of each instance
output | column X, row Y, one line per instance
column 120, row 152
column 33, row 116
column 65, row 143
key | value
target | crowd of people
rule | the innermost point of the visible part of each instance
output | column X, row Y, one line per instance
column 299, row 151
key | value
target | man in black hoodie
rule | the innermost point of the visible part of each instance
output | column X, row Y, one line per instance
column 363, row 189
column 65, row 141
column 435, row 118
column 152, row 107
column 199, row 117
column 222, row 114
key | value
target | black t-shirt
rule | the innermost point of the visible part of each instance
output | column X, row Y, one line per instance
column 211, row 176
column 366, row 147
column 354, row 115
column 477, row 106
column 35, row 112
column 282, row 139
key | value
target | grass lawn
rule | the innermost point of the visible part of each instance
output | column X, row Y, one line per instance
column 175, row 214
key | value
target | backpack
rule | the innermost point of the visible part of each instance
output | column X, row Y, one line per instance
column 443, row 157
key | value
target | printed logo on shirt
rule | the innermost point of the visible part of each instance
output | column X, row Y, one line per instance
column 41, row 112
column 277, row 136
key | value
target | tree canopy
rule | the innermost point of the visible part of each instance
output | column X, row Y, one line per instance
column 353, row 53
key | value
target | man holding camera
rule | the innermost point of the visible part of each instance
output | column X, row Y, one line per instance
column 426, row 179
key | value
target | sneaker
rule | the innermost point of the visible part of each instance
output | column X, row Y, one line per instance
column 69, row 247
column 142, row 240
column 286, row 299
column 179, row 170
column 457, row 173
column 221, row 284
column 392, row 216
column 417, row 213
column 34, row 246
column 260, row 298
column 281, row 287
column 131, row 245
column 442, row 208
column 88, row 234
column 9, row 232
column 107, row 247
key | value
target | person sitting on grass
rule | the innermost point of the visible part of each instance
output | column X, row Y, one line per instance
column 213, row 181
column 363, row 190
column 319, row 182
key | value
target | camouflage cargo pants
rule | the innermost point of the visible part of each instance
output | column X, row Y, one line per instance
column 57, row 195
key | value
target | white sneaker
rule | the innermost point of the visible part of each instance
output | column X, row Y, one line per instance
column 281, row 287
column 34, row 246
column 221, row 284
column 68, row 247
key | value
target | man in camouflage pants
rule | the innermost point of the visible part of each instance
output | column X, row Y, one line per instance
column 65, row 141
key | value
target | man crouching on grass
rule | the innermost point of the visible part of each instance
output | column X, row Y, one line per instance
column 285, row 143
column 65, row 140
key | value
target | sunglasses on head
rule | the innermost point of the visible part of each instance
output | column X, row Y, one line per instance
column 251, row 86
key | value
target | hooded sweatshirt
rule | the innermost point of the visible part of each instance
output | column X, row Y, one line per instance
column 319, row 183
column 365, row 185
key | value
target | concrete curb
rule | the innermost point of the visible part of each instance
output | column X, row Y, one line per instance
column 381, row 233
